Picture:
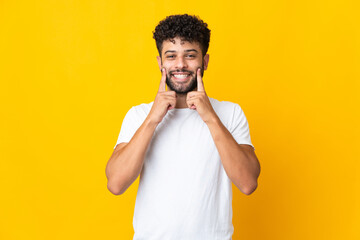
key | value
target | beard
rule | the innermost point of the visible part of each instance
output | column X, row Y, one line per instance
column 182, row 88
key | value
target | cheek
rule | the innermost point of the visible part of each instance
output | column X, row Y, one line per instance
column 167, row 68
column 166, row 64
column 196, row 65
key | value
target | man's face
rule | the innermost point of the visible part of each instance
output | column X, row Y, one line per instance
column 181, row 59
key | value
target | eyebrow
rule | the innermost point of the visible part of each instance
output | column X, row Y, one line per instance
column 191, row 50
column 187, row 50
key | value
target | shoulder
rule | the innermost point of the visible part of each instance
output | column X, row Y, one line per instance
column 224, row 107
column 140, row 111
column 228, row 112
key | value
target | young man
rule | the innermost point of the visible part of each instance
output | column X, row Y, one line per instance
column 187, row 147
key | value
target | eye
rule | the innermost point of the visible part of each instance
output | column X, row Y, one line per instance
column 191, row 56
column 170, row 56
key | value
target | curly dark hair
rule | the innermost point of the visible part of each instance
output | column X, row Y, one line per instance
column 188, row 27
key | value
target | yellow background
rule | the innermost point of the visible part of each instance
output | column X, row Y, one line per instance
column 70, row 70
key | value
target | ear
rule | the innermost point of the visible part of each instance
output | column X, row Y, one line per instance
column 158, row 58
column 206, row 61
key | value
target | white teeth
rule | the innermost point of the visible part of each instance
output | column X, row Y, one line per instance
column 181, row 75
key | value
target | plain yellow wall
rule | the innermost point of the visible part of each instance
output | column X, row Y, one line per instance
column 70, row 70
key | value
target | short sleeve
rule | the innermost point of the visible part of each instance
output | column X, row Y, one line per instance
column 129, row 127
column 240, row 127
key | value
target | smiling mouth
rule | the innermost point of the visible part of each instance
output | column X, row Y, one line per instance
column 181, row 77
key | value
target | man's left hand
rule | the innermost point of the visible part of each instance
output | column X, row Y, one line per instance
column 199, row 101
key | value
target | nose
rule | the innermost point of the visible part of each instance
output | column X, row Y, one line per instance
column 180, row 63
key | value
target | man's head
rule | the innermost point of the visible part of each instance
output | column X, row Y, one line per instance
column 182, row 42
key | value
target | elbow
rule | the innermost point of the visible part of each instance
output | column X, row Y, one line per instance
column 249, row 189
column 245, row 186
column 115, row 189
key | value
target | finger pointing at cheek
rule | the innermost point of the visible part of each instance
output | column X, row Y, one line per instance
column 200, row 85
column 163, row 80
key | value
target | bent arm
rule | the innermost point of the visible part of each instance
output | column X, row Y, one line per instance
column 239, row 160
column 127, row 160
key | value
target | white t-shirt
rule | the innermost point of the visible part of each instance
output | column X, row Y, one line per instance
column 184, row 192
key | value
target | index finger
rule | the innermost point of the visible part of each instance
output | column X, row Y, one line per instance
column 200, row 84
column 162, row 81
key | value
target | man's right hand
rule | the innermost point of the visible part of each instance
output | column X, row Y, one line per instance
column 164, row 101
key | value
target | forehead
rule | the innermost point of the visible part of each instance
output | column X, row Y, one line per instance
column 176, row 44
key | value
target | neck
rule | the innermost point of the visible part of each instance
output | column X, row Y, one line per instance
column 181, row 101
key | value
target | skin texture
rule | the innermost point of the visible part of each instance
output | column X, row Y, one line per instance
column 239, row 160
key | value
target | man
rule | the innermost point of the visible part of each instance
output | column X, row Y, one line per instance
column 187, row 147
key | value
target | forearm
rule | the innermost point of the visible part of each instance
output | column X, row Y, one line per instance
column 242, row 169
column 126, row 164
